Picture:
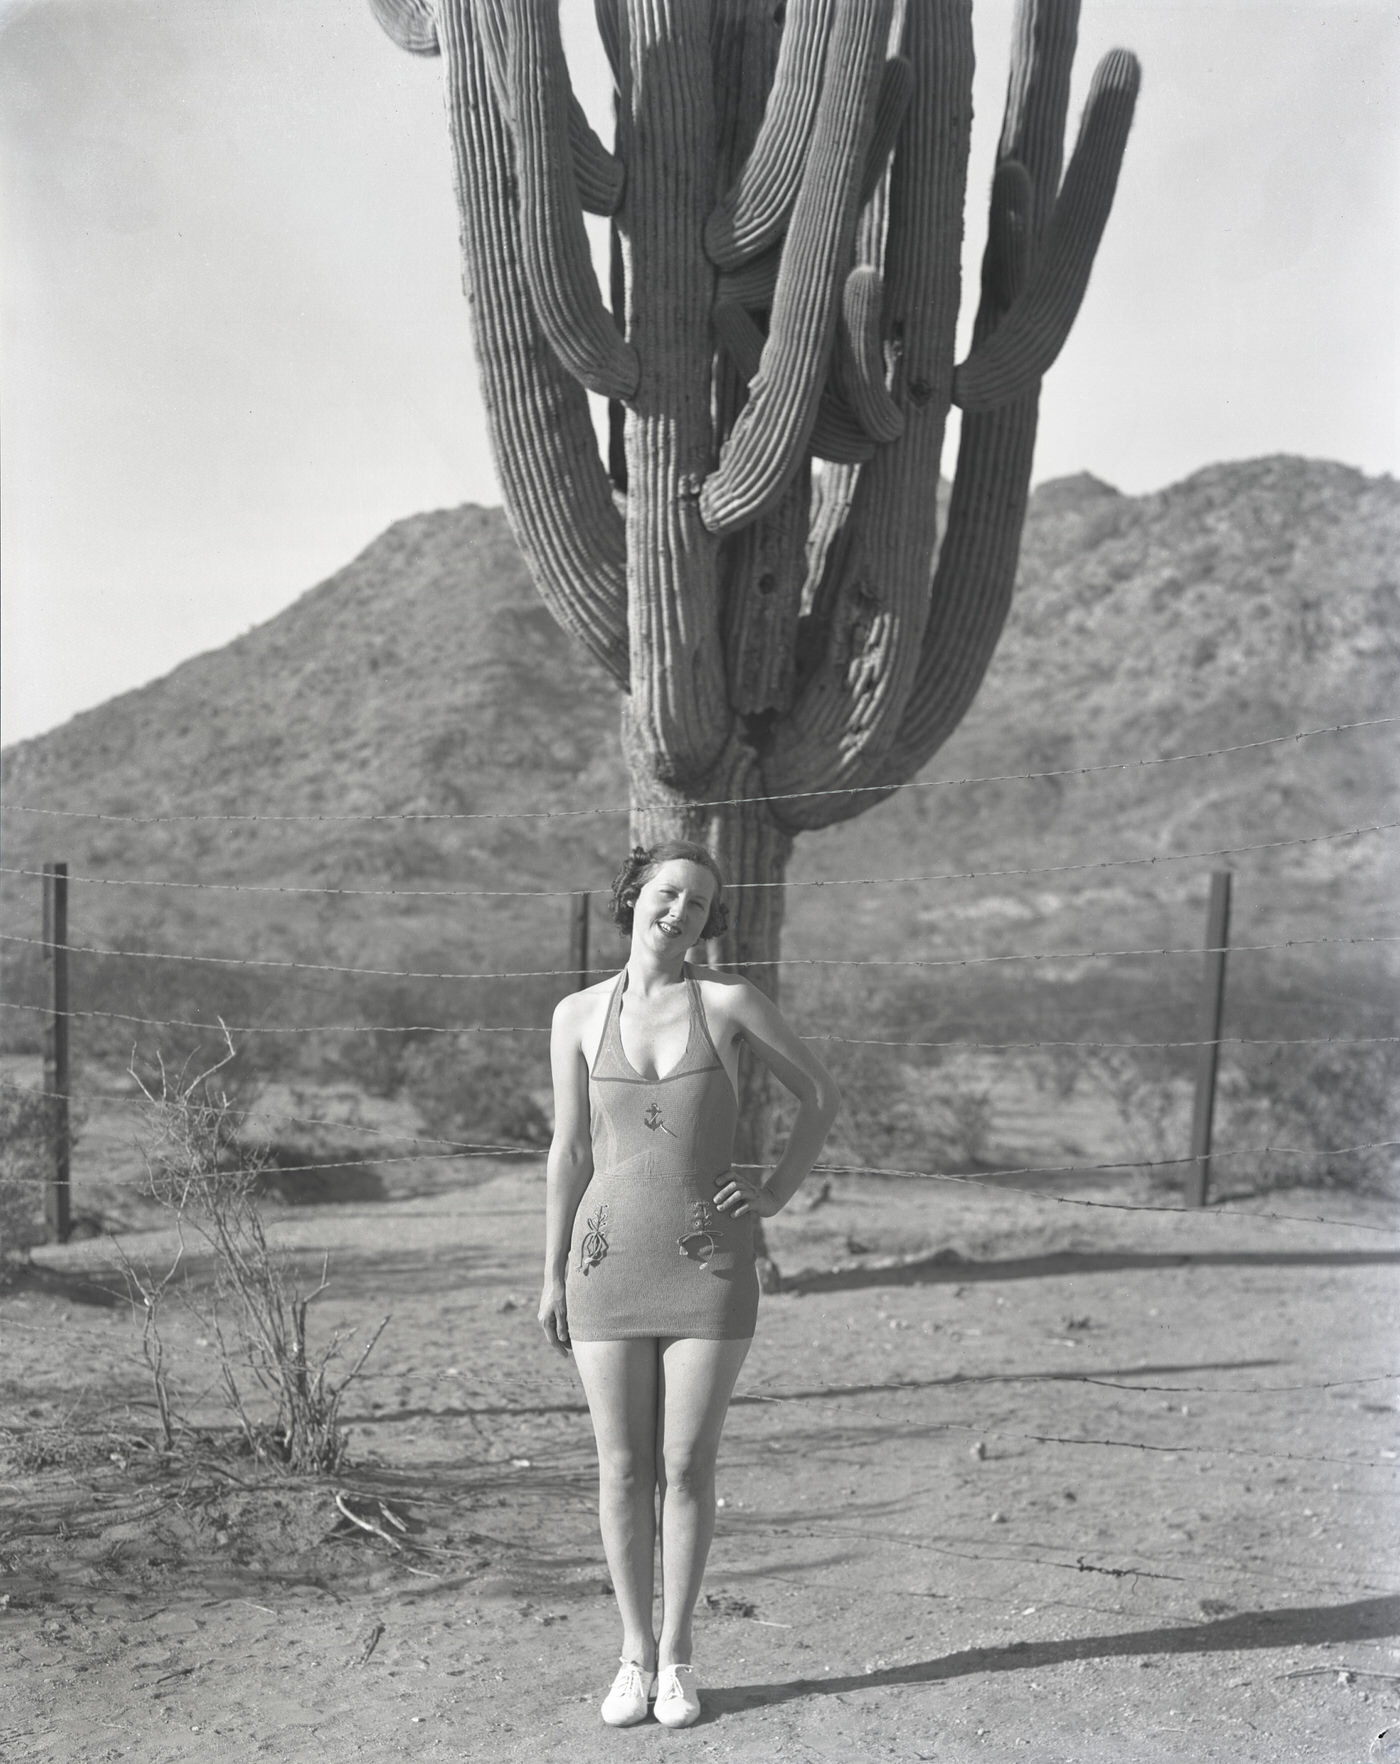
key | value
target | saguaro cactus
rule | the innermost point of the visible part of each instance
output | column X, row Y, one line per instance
column 757, row 564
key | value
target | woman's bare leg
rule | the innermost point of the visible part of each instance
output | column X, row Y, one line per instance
column 697, row 1381
column 620, row 1380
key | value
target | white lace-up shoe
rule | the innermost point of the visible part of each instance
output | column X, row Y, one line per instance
column 626, row 1703
column 677, row 1702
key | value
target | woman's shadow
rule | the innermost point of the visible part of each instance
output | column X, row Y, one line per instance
column 1293, row 1626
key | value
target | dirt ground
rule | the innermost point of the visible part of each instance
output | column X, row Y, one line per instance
column 1006, row 1478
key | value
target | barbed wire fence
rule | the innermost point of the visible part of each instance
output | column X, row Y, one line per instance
column 1052, row 1183
column 60, row 1014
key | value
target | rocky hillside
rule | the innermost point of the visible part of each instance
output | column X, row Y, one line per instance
column 1249, row 601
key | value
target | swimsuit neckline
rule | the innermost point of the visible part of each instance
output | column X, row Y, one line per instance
column 692, row 996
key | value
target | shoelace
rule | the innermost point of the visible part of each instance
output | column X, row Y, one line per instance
column 668, row 1681
column 631, row 1681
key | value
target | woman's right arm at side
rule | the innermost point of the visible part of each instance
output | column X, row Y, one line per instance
column 570, row 1163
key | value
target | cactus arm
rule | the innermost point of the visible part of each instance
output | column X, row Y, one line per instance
column 1037, row 99
column 1012, row 360
column 1007, row 257
column 617, row 411
column 746, row 39
column 972, row 585
column 765, row 446
column 974, row 581
column 837, row 433
column 860, row 357
column 556, row 492
column 679, row 712
column 755, row 210
column 411, row 24
column 753, row 285
column 867, row 608
column 976, row 573
column 744, row 44
column 738, row 336
column 891, row 105
column 605, row 15
column 557, row 260
column 597, row 173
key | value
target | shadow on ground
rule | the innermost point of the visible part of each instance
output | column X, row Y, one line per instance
column 947, row 1268
column 828, row 1392
column 1299, row 1626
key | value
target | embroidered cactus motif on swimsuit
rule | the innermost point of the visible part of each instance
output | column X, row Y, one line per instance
column 595, row 1242
column 704, row 1223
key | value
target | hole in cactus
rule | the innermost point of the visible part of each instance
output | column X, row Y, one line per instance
column 767, row 582
column 920, row 392
column 758, row 729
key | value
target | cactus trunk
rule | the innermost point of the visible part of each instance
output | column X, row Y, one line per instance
column 753, row 850
column 758, row 565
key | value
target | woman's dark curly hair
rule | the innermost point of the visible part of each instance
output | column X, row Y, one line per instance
column 644, row 862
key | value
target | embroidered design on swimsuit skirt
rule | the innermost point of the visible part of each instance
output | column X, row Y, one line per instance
column 595, row 1242
column 653, row 1119
column 698, row 1244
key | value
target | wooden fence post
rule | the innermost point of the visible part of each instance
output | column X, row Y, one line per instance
column 58, row 1194
column 1208, row 1035
column 578, row 940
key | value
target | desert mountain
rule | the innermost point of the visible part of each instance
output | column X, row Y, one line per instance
column 1248, row 602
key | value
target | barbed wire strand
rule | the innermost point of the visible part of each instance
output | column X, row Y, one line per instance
column 994, row 1179
column 955, row 1042
column 275, row 1117
column 542, row 1029
column 928, row 962
column 989, row 1179
column 1004, row 874
column 729, row 801
column 111, row 1099
column 1218, row 1041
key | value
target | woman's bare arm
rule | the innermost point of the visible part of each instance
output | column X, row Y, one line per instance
column 570, row 1164
column 765, row 1030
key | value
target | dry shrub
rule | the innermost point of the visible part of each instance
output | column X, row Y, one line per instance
column 200, row 1168
column 898, row 1115
column 479, row 1088
column 1321, row 1116
column 1286, row 1116
column 1153, row 1106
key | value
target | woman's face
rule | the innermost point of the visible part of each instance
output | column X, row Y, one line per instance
column 673, row 905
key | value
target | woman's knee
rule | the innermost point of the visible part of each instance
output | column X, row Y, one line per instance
column 690, row 1468
column 625, row 1471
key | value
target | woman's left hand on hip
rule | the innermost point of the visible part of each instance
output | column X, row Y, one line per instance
column 742, row 1194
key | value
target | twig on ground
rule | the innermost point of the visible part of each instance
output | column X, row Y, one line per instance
column 364, row 1524
column 179, row 1672
column 1355, row 1671
column 371, row 1642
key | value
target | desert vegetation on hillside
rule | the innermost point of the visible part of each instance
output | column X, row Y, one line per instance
column 424, row 680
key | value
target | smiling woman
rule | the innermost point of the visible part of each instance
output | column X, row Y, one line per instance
column 649, row 1264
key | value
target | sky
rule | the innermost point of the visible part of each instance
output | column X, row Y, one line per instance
column 234, row 347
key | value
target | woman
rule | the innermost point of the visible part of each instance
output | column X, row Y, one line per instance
column 649, row 1265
